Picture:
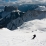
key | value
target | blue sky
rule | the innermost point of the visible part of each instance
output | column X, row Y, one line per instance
column 5, row 0
column 8, row 0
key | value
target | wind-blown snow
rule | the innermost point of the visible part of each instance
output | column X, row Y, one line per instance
column 23, row 36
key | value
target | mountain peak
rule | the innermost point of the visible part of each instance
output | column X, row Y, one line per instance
column 41, row 8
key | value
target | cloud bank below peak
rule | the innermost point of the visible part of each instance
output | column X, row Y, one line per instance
column 33, row 1
column 5, row 2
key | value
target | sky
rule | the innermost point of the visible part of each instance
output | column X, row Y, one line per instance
column 24, row 0
column 21, row 1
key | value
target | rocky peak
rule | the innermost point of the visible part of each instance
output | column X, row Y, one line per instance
column 9, row 8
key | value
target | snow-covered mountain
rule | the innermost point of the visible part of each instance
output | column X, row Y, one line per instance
column 25, row 26
column 6, row 17
column 21, row 7
column 28, row 16
column 41, row 8
column 14, row 18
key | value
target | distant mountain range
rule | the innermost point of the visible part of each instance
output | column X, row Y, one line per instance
column 15, row 17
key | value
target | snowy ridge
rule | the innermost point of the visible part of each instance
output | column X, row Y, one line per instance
column 34, row 25
column 41, row 8
column 28, row 16
column 13, row 20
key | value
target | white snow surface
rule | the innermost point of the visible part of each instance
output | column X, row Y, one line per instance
column 23, row 35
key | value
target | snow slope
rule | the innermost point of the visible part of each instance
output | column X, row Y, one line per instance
column 23, row 35
column 34, row 25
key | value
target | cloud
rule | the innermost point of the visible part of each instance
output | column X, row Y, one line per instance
column 2, row 2
column 33, row 1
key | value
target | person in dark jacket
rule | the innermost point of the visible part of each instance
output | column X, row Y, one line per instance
column 34, row 36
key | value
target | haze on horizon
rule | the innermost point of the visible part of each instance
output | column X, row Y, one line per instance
column 2, row 2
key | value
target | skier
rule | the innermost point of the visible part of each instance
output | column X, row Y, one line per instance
column 34, row 36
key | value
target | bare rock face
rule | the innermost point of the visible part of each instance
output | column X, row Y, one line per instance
column 10, row 17
column 0, row 16
column 9, row 8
